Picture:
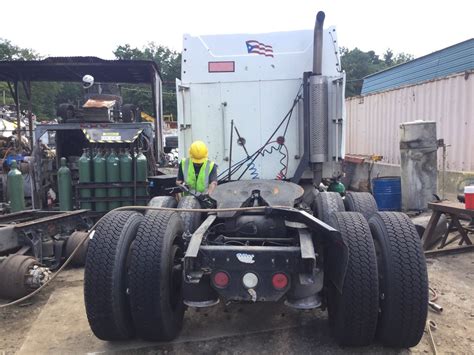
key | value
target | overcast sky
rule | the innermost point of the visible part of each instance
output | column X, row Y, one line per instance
column 85, row 27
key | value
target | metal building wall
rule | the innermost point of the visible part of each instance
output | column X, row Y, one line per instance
column 373, row 120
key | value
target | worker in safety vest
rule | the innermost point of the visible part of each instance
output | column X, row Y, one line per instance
column 198, row 172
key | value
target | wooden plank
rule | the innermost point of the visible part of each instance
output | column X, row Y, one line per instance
column 457, row 208
column 430, row 228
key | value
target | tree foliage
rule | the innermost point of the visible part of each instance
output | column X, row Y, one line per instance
column 168, row 61
column 9, row 51
column 358, row 64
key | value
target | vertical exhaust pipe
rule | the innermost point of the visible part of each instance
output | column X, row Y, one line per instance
column 318, row 104
column 318, row 44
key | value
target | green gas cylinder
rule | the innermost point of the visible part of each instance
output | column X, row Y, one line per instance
column 113, row 175
column 85, row 176
column 16, row 194
column 126, row 176
column 64, row 187
column 100, row 175
column 142, row 174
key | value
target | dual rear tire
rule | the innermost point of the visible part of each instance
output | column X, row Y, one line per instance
column 133, row 279
column 133, row 276
column 385, row 290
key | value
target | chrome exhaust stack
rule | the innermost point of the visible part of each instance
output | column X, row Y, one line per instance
column 318, row 105
column 318, row 44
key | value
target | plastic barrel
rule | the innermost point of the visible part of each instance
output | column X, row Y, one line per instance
column 387, row 193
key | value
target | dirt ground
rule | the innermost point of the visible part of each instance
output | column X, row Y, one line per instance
column 54, row 322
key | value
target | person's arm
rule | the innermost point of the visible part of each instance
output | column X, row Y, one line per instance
column 212, row 179
column 180, row 177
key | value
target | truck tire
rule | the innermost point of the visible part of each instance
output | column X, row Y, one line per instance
column 362, row 202
column 162, row 201
column 309, row 195
column 13, row 273
column 353, row 313
column 129, row 113
column 326, row 204
column 105, row 276
column 156, row 277
column 79, row 259
column 403, row 282
column 191, row 220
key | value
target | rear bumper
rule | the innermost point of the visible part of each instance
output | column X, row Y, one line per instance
column 236, row 261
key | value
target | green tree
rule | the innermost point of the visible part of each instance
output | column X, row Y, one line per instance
column 168, row 61
column 44, row 94
column 9, row 51
column 358, row 64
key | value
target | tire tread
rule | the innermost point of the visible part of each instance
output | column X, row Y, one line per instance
column 355, row 318
column 148, row 294
column 362, row 202
column 405, row 305
column 327, row 203
column 108, row 310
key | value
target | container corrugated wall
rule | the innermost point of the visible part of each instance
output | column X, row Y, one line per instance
column 373, row 120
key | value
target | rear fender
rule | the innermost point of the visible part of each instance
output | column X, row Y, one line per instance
column 336, row 250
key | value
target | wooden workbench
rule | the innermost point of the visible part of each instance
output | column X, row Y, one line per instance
column 454, row 210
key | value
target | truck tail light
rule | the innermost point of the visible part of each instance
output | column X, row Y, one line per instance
column 279, row 281
column 221, row 279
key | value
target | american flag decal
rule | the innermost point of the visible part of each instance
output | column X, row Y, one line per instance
column 259, row 48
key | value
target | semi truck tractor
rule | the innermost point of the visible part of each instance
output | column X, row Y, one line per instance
column 271, row 109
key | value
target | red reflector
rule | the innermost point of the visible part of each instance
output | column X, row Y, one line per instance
column 221, row 67
column 221, row 279
column 279, row 281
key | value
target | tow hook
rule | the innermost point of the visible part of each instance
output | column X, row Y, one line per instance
column 252, row 294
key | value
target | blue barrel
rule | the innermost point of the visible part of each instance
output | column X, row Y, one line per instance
column 388, row 193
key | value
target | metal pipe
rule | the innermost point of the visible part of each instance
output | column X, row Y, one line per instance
column 134, row 171
column 223, row 108
column 318, row 44
column 30, row 115
column 443, row 195
column 230, row 147
column 18, row 119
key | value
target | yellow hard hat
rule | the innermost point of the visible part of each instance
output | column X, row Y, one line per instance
column 198, row 152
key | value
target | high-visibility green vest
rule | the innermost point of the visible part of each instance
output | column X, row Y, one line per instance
column 202, row 182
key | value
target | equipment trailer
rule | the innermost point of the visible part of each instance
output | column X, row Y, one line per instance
column 268, row 240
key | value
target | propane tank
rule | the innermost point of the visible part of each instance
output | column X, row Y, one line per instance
column 142, row 172
column 126, row 176
column 85, row 176
column 100, row 175
column 16, row 194
column 113, row 175
column 64, row 187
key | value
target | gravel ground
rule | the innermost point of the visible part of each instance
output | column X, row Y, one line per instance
column 247, row 328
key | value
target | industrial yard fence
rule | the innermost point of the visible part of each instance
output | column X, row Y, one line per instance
column 373, row 121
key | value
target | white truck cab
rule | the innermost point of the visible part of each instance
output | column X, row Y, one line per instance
column 244, row 94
